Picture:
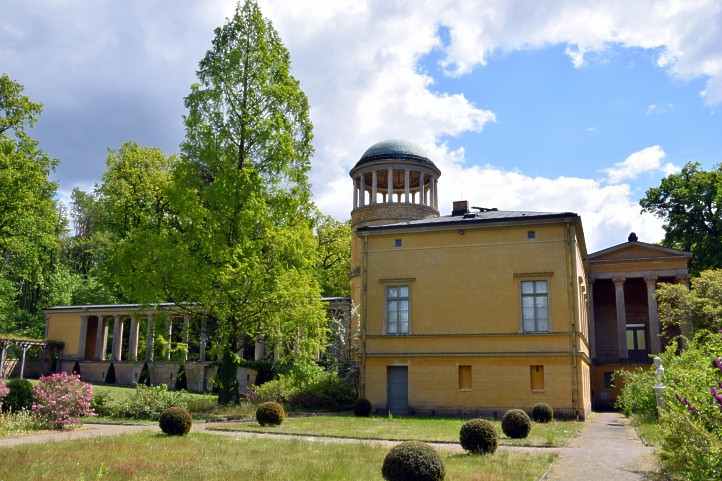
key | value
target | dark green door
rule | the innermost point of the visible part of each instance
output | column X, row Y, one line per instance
column 398, row 389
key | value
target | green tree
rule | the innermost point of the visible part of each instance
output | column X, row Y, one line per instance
column 690, row 203
column 30, row 222
column 696, row 308
column 333, row 241
column 241, row 192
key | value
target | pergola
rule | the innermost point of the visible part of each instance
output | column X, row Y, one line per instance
column 23, row 345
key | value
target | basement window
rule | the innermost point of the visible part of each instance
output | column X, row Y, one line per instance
column 531, row 234
column 397, row 243
column 537, row 378
column 464, row 378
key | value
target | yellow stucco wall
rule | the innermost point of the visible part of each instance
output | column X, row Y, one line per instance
column 465, row 309
column 65, row 327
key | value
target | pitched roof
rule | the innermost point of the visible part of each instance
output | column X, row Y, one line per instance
column 626, row 245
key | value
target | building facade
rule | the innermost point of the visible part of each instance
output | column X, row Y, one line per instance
column 482, row 310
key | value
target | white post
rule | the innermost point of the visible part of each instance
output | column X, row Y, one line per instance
column 259, row 351
column 101, row 339
column 406, row 185
column 186, row 333
column 133, row 338
column 374, row 185
column 655, row 340
column 390, row 185
column 170, row 339
column 24, row 348
column 117, row 338
column 422, row 191
column 621, row 317
column 436, row 193
column 149, row 338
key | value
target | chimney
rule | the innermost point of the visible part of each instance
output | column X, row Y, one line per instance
column 460, row 207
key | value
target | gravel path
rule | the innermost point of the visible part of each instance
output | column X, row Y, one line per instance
column 608, row 449
column 85, row 432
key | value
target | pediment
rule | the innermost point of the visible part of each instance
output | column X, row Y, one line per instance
column 636, row 250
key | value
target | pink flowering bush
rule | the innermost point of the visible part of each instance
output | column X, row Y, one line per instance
column 61, row 399
column 4, row 391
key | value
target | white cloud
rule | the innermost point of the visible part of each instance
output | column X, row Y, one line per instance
column 637, row 163
column 657, row 109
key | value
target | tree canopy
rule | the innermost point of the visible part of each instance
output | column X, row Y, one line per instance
column 690, row 204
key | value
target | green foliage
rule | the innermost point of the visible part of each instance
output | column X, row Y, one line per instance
column 542, row 413
column 362, row 408
column 226, row 380
column 478, row 436
column 413, row 461
column 637, row 394
column 175, row 421
column 698, row 308
column 333, row 255
column 18, row 422
column 145, row 403
column 270, row 414
column 516, row 424
column 20, row 397
column 688, row 203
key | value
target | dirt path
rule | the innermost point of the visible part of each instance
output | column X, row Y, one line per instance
column 85, row 432
column 608, row 449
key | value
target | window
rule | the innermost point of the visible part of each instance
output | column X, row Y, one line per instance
column 397, row 310
column 465, row 378
column 535, row 305
column 636, row 339
column 609, row 379
column 531, row 234
column 397, row 242
column 537, row 378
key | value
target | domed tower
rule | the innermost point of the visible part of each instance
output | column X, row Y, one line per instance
column 394, row 181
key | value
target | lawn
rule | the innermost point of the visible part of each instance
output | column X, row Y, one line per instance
column 205, row 457
column 557, row 433
column 648, row 430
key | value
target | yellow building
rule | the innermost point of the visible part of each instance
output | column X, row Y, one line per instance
column 471, row 313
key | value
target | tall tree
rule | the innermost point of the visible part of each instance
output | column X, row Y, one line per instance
column 30, row 222
column 690, row 203
column 333, row 240
column 241, row 191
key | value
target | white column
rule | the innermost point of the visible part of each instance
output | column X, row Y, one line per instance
column 3, row 353
column 621, row 317
column 390, row 185
column 149, row 338
column 374, row 186
column 170, row 339
column 355, row 194
column 592, row 324
column 133, row 338
column 101, row 339
column 83, row 336
column 24, row 348
column 361, row 193
column 117, row 338
column 186, row 333
column 436, row 193
column 655, row 340
column 259, row 352
column 406, row 185
column 422, row 191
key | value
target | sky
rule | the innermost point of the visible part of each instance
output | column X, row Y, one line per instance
column 562, row 105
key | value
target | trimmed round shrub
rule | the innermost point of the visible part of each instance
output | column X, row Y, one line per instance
column 413, row 461
column 20, row 396
column 175, row 421
column 270, row 414
column 362, row 408
column 542, row 413
column 516, row 424
column 478, row 436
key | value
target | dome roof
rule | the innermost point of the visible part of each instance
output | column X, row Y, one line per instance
column 396, row 150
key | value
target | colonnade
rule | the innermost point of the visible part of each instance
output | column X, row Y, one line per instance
column 395, row 185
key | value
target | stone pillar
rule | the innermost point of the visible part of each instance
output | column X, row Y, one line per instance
column 361, row 193
column 592, row 324
column 431, row 191
column 260, row 351
column 24, row 348
column 83, row 336
column 186, row 334
column 133, row 338
column 170, row 339
column 436, row 193
column 149, row 338
column 203, row 341
column 374, row 187
column 422, row 191
column 655, row 340
column 355, row 194
column 621, row 317
column 117, row 338
column 101, row 339
column 3, row 354
column 390, row 185
column 406, row 185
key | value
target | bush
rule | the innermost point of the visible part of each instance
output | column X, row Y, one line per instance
column 147, row 403
column 542, row 413
column 637, row 394
column 270, row 414
column 101, row 404
column 413, row 461
column 4, row 391
column 175, row 421
column 20, row 396
column 18, row 422
column 61, row 399
column 516, row 424
column 478, row 436
column 362, row 408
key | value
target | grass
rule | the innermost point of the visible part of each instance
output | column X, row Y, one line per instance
column 155, row 457
column 556, row 433
column 18, row 423
column 648, row 430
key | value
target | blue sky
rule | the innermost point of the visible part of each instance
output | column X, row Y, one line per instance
column 565, row 105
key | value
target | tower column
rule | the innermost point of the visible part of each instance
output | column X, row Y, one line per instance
column 422, row 191
column 355, row 195
column 374, row 183
column 390, row 186
column 361, row 193
column 406, row 185
column 436, row 193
